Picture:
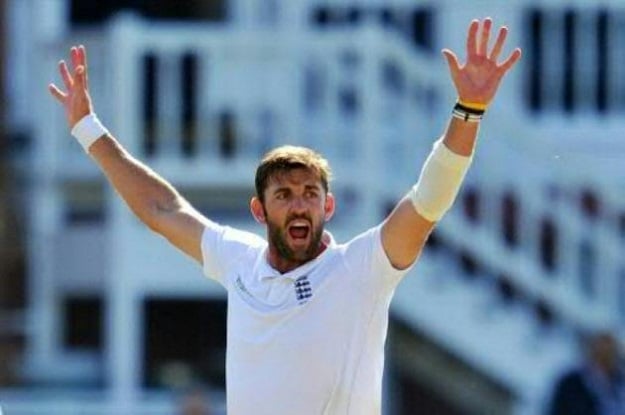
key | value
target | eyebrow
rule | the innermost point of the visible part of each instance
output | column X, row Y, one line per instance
column 306, row 187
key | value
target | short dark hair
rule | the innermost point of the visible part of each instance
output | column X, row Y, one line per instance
column 287, row 158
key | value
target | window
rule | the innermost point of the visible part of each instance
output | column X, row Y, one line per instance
column 97, row 12
column 83, row 323
column 573, row 62
column 414, row 23
column 83, row 203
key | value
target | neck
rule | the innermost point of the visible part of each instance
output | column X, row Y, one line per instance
column 284, row 265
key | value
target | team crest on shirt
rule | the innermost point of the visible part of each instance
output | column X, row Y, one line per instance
column 303, row 290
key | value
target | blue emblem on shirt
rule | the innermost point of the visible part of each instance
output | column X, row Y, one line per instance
column 303, row 290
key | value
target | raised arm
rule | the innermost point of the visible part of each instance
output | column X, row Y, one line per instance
column 406, row 229
column 154, row 201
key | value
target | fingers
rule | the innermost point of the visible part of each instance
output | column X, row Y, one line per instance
column 479, row 46
column 68, row 81
column 57, row 93
column 80, row 77
column 82, row 57
column 78, row 57
column 501, row 38
column 484, row 36
column 75, row 57
column 452, row 61
column 512, row 59
column 472, row 37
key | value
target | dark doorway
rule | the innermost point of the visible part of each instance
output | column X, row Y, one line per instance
column 185, row 342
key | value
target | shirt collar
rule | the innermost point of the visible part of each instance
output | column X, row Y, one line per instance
column 266, row 271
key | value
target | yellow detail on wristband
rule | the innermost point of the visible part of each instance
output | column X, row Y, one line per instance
column 473, row 105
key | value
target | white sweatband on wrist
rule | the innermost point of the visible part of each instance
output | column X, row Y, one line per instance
column 88, row 130
column 439, row 182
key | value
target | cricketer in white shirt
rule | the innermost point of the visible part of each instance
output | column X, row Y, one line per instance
column 307, row 317
column 310, row 341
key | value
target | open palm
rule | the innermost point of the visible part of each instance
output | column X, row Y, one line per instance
column 478, row 78
column 75, row 99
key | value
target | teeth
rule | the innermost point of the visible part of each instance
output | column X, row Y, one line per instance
column 299, row 223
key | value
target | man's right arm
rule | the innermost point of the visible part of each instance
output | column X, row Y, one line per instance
column 150, row 197
column 155, row 202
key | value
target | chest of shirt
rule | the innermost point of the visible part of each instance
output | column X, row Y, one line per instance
column 313, row 307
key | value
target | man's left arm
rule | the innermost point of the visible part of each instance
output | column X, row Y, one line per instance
column 406, row 229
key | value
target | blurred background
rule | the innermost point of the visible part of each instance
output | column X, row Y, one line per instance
column 100, row 316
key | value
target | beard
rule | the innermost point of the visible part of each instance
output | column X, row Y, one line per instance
column 278, row 238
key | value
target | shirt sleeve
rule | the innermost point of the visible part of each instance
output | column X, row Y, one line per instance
column 367, row 257
column 223, row 246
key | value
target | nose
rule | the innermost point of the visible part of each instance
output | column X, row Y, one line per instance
column 298, row 204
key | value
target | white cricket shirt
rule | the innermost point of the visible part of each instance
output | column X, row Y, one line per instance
column 307, row 342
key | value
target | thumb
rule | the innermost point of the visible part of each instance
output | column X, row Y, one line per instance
column 452, row 61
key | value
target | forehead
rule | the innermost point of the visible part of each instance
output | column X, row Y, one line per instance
column 294, row 177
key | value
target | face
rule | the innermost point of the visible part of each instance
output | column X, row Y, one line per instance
column 295, row 210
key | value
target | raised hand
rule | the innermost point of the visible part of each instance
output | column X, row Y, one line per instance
column 478, row 78
column 76, row 99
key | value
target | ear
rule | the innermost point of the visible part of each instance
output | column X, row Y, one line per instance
column 329, row 206
column 256, row 207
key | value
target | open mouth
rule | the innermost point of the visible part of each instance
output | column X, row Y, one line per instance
column 299, row 230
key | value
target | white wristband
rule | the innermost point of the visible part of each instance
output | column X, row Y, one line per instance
column 440, row 180
column 88, row 130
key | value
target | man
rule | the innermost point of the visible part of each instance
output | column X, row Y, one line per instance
column 307, row 317
column 597, row 387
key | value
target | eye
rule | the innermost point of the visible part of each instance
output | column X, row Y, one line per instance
column 281, row 195
column 311, row 194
